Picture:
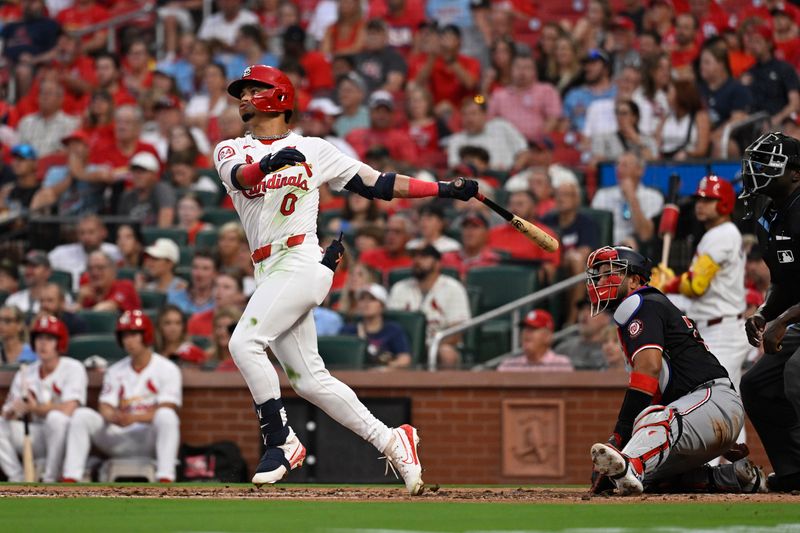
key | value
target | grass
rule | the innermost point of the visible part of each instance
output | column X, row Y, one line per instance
column 87, row 515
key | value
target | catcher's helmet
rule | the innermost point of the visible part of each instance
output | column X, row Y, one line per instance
column 767, row 158
column 50, row 325
column 135, row 320
column 278, row 95
column 621, row 261
column 719, row 189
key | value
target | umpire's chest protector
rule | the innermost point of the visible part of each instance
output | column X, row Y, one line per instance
column 779, row 240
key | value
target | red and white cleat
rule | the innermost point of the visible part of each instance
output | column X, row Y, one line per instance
column 620, row 469
column 401, row 456
column 277, row 461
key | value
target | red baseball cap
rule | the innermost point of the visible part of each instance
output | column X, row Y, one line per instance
column 77, row 135
column 754, row 298
column 764, row 30
column 623, row 23
column 538, row 318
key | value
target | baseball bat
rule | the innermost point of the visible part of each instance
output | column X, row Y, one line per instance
column 536, row 234
column 28, row 468
column 669, row 217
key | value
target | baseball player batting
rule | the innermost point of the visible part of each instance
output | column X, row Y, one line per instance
column 55, row 387
column 715, row 279
column 681, row 409
column 273, row 175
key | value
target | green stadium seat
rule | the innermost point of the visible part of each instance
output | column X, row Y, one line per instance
column 343, row 352
column 414, row 324
column 184, row 272
column 605, row 224
column 150, row 234
column 152, row 314
column 127, row 273
column 325, row 218
column 502, row 284
column 99, row 321
column 3, row 296
column 206, row 239
column 207, row 198
column 201, row 341
column 152, row 299
column 219, row 216
column 63, row 279
column 186, row 255
column 103, row 344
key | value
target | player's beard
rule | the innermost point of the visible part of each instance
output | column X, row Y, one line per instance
column 247, row 117
column 420, row 273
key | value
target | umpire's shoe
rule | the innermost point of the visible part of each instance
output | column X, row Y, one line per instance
column 626, row 474
column 278, row 460
column 401, row 455
column 785, row 483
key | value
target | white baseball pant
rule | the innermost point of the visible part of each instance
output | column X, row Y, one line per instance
column 728, row 342
column 160, row 438
column 48, row 439
column 290, row 283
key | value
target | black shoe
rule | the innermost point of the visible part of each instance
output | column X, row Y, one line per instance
column 786, row 483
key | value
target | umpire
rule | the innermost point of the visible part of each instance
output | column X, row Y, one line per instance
column 771, row 389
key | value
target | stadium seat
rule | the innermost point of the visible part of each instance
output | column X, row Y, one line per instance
column 152, row 299
column 325, row 218
column 343, row 352
column 184, row 272
column 127, row 273
column 186, row 255
column 208, row 199
column 152, row 314
column 103, row 344
column 206, row 239
column 604, row 220
column 150, row 234
column 414, row 324
column 502, row 284
column 3, row 296
column 99, row 321
column 63, row 279
column 219, row 216
column 201, row 341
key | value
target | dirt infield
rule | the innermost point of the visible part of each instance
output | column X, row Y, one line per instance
column 511, row 495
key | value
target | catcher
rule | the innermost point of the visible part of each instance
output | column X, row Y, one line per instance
column 681, row 409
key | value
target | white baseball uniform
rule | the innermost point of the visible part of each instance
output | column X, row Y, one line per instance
column 64, row 384
column 724, row 299
column 133, row 392
column 445, row 304
column 291, row 281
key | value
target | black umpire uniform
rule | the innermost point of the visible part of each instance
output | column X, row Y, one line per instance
column 771, row 389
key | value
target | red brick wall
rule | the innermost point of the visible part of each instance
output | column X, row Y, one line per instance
column 457, row 414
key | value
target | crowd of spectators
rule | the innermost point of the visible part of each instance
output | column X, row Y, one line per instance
column 526, row 97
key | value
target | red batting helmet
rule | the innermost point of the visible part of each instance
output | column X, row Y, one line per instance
column 135, row 320
column 718, row 189
column 279, row 93
column 50, row 325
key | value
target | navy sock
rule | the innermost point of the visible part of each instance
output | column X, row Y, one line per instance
column 270, row 418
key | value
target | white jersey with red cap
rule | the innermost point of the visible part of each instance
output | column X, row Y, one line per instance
column 135, row 391
column 286, row 202
column 64, row 384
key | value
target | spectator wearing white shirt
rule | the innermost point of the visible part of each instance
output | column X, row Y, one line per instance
column 223, row 26
column 72, row 257
column 44, row 129
column 442, row 299
column 36, row 271
column 632, row 204
column 432, row 223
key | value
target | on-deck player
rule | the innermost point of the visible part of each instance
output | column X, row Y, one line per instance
column 136, row 406
column 272, row 175
column 680, row 409
column 51, row 389
column 715, row 279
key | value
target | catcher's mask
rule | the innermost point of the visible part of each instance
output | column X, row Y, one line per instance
column 606, row 270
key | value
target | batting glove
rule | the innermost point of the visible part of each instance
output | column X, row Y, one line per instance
column 282, row 158
column 469, row 189
column 333, row 254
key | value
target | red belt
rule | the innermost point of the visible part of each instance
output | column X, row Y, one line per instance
column 265, row 251
column 719, row 319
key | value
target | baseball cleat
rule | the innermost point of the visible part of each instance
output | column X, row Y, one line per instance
column 401, row 456
column 277, row 461
column 620, row 469
column 751, row 477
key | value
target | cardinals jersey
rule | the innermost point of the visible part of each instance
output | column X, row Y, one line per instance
column 285, row 202
column 66, row 383
column 126, row 389
column 725, row 294
column 445, row 304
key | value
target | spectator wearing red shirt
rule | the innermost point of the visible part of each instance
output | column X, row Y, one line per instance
column 81, row 15
column 103, row 291
column 402, row 18
column 317, row 67
column 112, row 155
column 346, row 34
column 136, row 74
column 228, row 292
column 533, row 107
column 476, row 251
column 425, row 129
column 711, row 17
column 393, row 254
column 505, row 238
column 449, row 75
column 98, row 121
column 382, row 131
column 107, row 71
column 786, row 37
column 684, row 48
column 764, row 10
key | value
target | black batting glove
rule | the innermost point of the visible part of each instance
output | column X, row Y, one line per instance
column 333, row 254
column 460, row 189
column 281, row 158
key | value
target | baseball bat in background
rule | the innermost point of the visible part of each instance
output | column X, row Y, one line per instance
column 28, row 467
column 669, row 217
column 536, row 234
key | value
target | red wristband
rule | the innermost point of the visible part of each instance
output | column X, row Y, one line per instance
column 251, row 175
column 422, row 189
column 643, row 383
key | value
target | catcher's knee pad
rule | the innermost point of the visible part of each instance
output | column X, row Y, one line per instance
column 655, row 430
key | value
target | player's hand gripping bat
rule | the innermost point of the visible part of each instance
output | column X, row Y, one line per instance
column 536, row 234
